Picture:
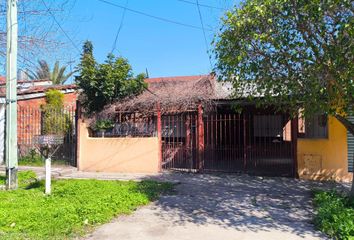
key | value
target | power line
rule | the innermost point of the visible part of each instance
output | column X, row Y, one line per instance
column 61, row 28
column 205, row 39
column 202, row 5
column 120, row 27
column 152, row 16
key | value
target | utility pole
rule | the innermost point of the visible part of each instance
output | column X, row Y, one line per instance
column 11, row 95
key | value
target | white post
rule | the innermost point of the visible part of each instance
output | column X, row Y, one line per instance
column 48, row 176
column 11, row 95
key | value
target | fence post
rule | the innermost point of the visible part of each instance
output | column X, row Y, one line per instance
column 294, row 131
column 200, row 139
column 244, row 141
column 159, row 135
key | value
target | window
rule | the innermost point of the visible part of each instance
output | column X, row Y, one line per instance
column 314, row 127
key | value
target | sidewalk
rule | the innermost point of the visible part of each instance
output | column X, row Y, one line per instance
column 57, row 170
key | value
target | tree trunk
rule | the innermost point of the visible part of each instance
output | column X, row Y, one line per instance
column 350, row 127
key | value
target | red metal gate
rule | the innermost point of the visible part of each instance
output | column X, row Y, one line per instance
column 179, row 141
column 254, row 143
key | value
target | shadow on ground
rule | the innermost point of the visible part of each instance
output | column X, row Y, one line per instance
column 241, row 202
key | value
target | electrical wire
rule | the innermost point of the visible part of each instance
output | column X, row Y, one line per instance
column 202, row 5
column 205, row 39
column 61, row 28
column 120, row 27
column 152, row 16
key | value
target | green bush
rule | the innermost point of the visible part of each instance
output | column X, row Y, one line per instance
column 334, row 214
column 55, row 119
column 103, row 124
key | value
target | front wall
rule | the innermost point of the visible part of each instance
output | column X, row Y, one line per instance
column 121, row 155
column 325, row 159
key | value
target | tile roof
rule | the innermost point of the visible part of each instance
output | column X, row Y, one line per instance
column 173, row 93
column 175, row 78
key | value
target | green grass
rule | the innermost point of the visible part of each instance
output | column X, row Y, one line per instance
column 33, row 158
column 334, row 214
column 74, row 207
column 40, row 163
column 2, row 180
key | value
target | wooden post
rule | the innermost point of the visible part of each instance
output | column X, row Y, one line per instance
column 159, row 135
column 200, row 139
column 294, row 130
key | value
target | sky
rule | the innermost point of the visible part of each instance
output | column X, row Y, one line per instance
column 163, row 48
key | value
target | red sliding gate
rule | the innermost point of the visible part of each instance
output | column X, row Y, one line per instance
column 228, row 142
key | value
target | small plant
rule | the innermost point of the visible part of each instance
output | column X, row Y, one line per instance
column 33, row 158
column 102, row 125
column 334, row 214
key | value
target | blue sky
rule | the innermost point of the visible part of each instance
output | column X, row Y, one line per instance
column 165, row 49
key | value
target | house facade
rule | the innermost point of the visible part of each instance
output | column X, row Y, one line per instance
column 190, row 124
column 30, row 98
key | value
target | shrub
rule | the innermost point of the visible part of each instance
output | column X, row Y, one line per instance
column 33, row 158
column 103, row 125
column 334, row 214
column 55, row 119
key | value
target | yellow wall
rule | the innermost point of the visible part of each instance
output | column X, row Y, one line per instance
column 122, row 155
column 325, row 159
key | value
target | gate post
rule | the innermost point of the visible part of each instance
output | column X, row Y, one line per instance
column 200, row 139
column 294, row 130
column 159, row 135
column 188, row 154
column 244, row 126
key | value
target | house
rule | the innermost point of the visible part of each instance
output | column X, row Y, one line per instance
column 190, row 123
column 30, row 97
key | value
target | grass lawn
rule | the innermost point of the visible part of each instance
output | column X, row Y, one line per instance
column 41, row 163
column 334, row 214
column 74, row 207
column 38, row 161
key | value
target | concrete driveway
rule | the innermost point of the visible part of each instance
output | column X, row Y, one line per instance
column 222, row 207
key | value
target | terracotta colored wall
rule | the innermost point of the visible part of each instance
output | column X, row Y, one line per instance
column 122, row 155
column 325, row 159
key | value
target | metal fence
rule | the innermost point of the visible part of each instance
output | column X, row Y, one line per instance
column 129, row 125
column 35, row 121
column 256, row 144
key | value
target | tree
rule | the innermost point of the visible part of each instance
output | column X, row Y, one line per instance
column 38, row 32
column 104, row 83
column 57, row 76
column 297, row 54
